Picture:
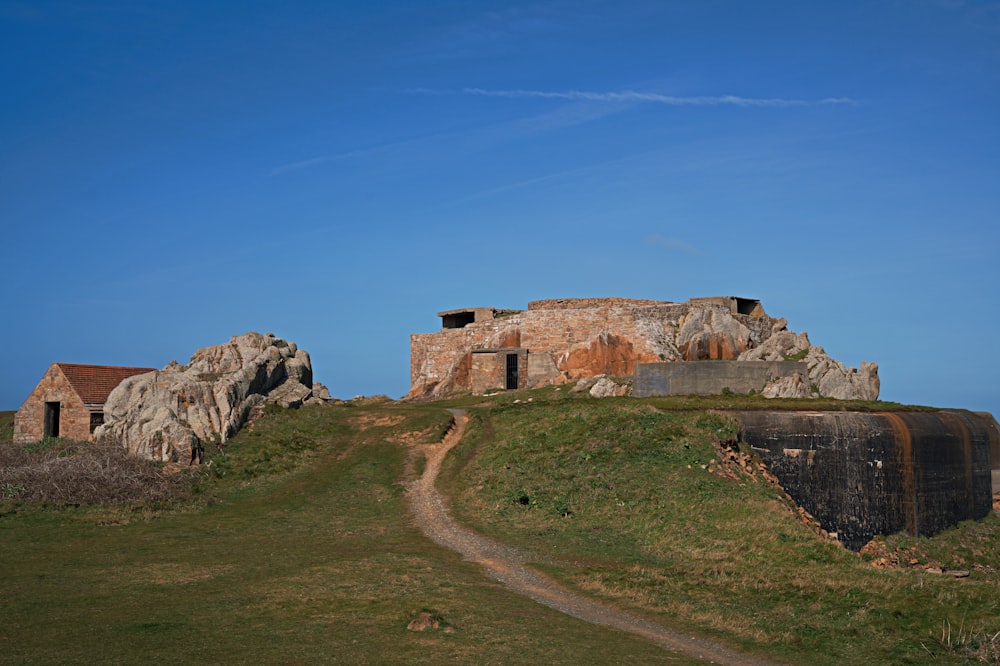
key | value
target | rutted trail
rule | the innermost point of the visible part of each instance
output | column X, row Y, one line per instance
column 507, row 565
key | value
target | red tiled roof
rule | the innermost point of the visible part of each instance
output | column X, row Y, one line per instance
column 94, row 383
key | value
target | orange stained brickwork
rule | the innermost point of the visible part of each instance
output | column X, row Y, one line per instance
column 615, row 331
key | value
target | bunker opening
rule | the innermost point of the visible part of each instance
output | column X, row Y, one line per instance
column 747, row 306
column 457, row 319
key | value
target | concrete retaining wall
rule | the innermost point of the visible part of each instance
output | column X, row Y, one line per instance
column 710, row 377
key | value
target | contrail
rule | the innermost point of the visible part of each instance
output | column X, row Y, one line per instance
column 671, row 100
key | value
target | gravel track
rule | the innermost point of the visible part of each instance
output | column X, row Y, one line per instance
column 507, row 565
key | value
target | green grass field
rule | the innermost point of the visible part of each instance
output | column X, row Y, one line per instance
column 298, row 547
column 625, row 500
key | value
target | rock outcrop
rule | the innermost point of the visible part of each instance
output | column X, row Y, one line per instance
column 163, row 415
column 711, row 333
column 827, row 378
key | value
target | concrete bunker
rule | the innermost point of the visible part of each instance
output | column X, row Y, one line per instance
column 750, row 307
column 465, row 316
column 862, row 474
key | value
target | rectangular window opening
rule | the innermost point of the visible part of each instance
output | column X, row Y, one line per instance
column 458, row 319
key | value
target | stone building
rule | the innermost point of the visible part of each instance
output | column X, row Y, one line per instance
column 562, row 340
column 69, row 401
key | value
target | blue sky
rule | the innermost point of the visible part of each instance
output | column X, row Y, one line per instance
column 174, row 173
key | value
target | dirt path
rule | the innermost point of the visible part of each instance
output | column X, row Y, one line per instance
column 507, row 565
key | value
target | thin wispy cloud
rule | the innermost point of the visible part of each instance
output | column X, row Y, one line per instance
column 311, row 162
column 462, row 141
column 292, row 166
column 635, row 96
column 670, row 243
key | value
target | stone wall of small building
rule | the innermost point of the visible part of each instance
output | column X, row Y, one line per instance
column 74, row 417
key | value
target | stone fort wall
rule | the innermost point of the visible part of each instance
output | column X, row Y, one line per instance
column 581, row 337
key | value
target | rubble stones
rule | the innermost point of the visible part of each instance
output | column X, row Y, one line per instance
column 605, row 387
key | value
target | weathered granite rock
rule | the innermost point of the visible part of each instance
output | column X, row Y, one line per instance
column 793, row 386
column 320, row 395
column 834, row 380
column 604, row 353
column 827, row 378
column 584, row 384
column 782, row 344
column 711, row 333
column 321, row 392
column 161, row 415
column 605, row 387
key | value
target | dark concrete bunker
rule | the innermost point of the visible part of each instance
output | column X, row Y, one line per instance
column 862, row 474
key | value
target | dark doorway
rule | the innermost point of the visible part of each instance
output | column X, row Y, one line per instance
column 51, row 420
column 512, row 383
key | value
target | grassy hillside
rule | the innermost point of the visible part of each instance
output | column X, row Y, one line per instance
column 298, row 547
column 633, row 503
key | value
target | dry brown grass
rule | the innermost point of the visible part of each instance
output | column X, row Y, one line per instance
column 71, row 473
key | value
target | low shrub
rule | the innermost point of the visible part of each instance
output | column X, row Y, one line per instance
column 65, row 472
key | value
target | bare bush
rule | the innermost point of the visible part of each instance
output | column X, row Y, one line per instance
column 67, row 472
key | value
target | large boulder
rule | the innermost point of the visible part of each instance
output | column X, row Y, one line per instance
column 162, row 415
column 712, row 333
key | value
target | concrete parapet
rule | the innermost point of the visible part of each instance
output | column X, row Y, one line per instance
column 710, row 377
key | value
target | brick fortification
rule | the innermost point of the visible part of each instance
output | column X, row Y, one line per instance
column 559, row 341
